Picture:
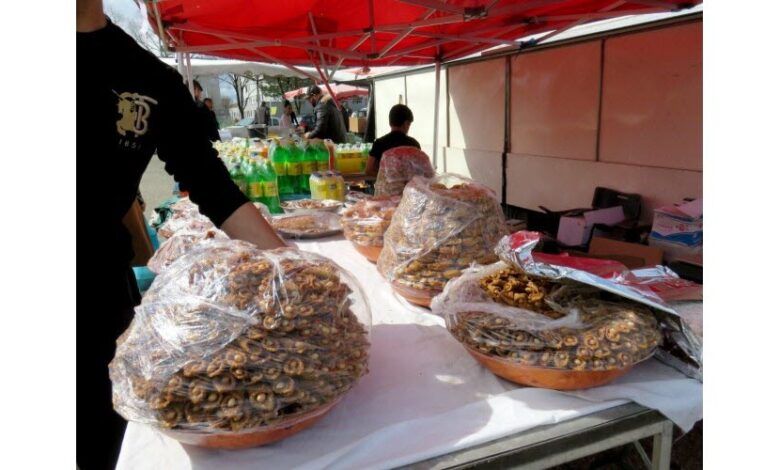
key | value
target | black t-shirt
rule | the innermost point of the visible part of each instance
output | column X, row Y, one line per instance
column 208, row 121
column 388, row 141
column 129, row 105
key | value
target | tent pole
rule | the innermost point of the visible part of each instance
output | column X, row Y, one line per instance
column 180, row 66
column 189, row 73
column 436, row 116
column 327, row 85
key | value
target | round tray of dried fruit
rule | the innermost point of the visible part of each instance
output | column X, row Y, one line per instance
column 421, row 297
column 252, row 438
column 542, row 377
column 371, row 253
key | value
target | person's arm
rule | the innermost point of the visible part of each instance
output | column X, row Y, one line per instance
column 193, row 161
column 372, row 167
column 319, row 123
column 246, row 223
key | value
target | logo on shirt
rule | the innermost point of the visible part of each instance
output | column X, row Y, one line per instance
column 135, row 110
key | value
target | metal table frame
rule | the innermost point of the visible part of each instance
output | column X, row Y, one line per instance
column 556, row 444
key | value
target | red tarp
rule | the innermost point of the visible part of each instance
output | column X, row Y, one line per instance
column 342, row 92
column 371, row 32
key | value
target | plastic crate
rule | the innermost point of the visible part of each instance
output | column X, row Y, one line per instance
column 143, row 277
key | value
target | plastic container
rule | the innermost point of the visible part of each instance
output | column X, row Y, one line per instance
column 318, row 185
column 143, row 277
column 351, row 165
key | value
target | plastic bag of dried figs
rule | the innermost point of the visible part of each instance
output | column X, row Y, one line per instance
column 365, row 222
column 231, row 340
column 179, row 244
column 503, row 313
column 441, row 226
column 398, row 166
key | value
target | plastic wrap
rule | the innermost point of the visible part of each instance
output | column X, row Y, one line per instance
column 232, row 339
column 313, row 225
column 179, row 244
column 398, row 166
column 680, row 347
column 309, row 206
column 365, row 223
column 442, row 226
column 523, row 327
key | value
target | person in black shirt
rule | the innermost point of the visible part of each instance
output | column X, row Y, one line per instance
column 207, row 117
column 401, row 118
column 329, row 123
column 213, row 116
column 129, row 106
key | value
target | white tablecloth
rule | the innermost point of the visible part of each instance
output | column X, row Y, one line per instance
column 424, row 396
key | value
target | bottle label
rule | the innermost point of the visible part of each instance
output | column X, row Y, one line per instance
column 270, row 189
column 293, row 169
column 279, row 168
column 309, row 167
column 322, row 165
column 255, row 190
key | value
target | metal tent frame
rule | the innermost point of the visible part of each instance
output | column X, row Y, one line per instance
column 327, row 60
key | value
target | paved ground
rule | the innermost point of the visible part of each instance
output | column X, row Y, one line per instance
column 157, row 186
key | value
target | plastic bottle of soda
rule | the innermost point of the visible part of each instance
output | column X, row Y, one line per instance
column 309, row 165
column 270, row 187
column 254, row 183
column 322, row 155
column 238, row 176
column 279, row 157
column 294, row 165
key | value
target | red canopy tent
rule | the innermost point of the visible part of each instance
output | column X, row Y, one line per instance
column 364, row 33
column 371, row 32
column 342, row 92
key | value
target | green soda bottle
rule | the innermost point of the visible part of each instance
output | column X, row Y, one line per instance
column 279, row 157
column 238, row 176
column 254, row 183
column 309, row 165
column 270, row 187
column 294, row 165
column 323, row 156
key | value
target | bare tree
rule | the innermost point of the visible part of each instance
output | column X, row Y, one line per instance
column 136, row 27
column 239, row 83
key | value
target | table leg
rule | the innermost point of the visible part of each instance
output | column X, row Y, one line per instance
column 662, row 447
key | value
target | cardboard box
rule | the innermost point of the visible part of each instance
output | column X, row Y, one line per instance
column 357, row 124
column 678, row 230
column 576, row 231
column 633, row 255
column 682, row 224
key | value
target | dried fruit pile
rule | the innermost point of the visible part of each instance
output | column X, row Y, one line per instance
column 232, row 338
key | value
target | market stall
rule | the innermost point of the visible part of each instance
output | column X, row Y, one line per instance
column 424, row 396
column 577, row 345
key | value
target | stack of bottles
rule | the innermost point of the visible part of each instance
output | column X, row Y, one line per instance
column 282, row 167
column 352, row 158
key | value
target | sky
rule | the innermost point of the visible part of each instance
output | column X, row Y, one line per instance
column 124, row 12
